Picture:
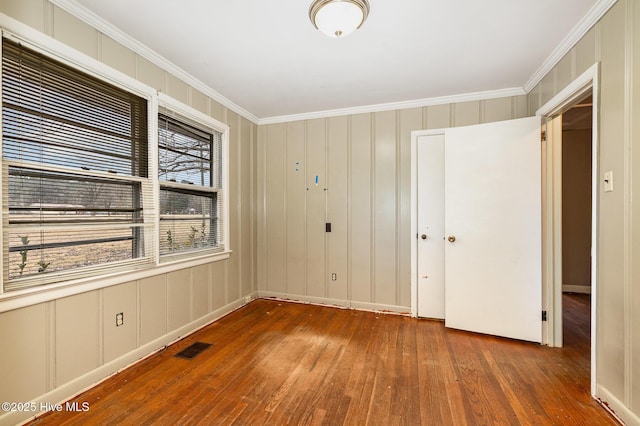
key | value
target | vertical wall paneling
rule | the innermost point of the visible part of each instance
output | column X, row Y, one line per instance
column 316, row 182
column 139, row 311
column 150, row 74
column 584, row 52
column 234, row 263
column 199, row 101
column 520, row 105
column 296, row 195
column 117, row 56
column 50, row 346
column 634, row 288
column 337, row 207
column 547, row 87
column 385, row 201
column 410, row 119
column 77, row 336
column 218, row 284
column 153, row 308
column 48, row 14
column 101, row 330
column 200, row 288
column 178, row 298
column 361, row 207
column 534, row 99
column 246, row 208
column 612, row 93
column 466, row 113
column 366, row 160
column 177, row 89
column 498, row 109
column 234, row 199
column 25, row 332
column 274, row 243
column 628, row 193
column 437, row 117
column 261, row 207
column 119, row 340
column 217, row 110
column 564, row 74
column 255, row 205
column 31, row 13
column 75, row 33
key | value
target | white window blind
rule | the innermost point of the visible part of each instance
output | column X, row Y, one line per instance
column 191, row 197
column 76, row 190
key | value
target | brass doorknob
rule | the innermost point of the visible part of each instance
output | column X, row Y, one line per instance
column 423, row 236
column 451, row 238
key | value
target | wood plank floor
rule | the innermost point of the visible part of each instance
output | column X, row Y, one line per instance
column 275, row 363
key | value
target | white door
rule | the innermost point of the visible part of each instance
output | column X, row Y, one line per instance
column 493, row 211
column 481, row 186
column 430, row 204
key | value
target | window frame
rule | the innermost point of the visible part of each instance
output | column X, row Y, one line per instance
column 190, row 116
column 146, row 186
column 59, row 51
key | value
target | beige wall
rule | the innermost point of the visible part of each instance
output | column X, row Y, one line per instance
column 59, row 347
column 615, row 43
column 364, row 190
column 576, row 210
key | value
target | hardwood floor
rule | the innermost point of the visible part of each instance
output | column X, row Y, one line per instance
column 274, row 362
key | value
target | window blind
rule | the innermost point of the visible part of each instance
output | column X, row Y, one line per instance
column 75, row 172
column 190, row 174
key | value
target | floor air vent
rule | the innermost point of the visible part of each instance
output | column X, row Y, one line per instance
column 193, row 350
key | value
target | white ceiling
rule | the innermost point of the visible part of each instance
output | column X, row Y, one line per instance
column 267, row 60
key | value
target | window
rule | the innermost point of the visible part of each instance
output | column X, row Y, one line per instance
column 191, row 185
column 74, row 170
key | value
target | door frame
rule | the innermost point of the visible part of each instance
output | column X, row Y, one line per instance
column 552, row 231
column 415, row 135
column 552, row 212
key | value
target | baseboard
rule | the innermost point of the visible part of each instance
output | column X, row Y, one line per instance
column 71, row 389
column 339, row 303
column 583, row 289
column 378, row 307
column 616, row 407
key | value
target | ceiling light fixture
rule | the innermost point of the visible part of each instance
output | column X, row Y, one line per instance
column 338, row 18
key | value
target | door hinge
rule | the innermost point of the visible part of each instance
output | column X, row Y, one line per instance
column 543, row 136
column 544, row 315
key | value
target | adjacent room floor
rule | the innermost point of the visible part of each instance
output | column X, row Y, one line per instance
column 274, row 362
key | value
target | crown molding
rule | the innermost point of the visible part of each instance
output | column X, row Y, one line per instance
column 596, row 13
column 418, row 103
column 586, row 23
column 121, row 37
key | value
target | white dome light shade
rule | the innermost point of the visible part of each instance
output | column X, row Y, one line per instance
column 338, row 18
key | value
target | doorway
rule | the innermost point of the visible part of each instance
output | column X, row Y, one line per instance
column 577, row 167
column 577, row 130
column 576, row 93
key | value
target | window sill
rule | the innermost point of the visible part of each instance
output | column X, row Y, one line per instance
column 46, row 293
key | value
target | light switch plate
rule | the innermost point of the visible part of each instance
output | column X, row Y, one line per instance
column 608, row 181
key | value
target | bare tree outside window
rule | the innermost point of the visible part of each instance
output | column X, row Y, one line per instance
column 189, row 169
